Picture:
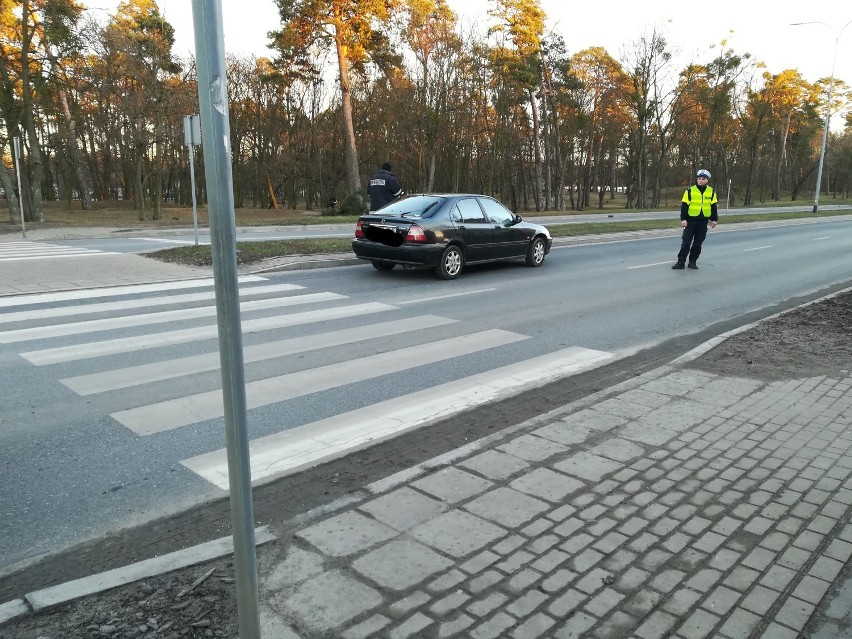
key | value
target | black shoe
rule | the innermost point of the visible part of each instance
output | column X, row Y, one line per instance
column 692, row 265
column 677, row 265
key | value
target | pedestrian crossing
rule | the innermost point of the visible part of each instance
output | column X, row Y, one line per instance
column 22, row 250
column 147, row 357
column 301, row 447
column 96, row 325
column 45, row 299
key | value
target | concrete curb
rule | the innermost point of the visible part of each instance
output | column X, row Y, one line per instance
column 47, row 598
column 12, row 610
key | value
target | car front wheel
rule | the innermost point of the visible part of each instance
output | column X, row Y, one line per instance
column 383, row 266
column 536, row 252
column 452, row 261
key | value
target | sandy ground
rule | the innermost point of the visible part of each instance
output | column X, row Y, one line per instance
column 809, row 341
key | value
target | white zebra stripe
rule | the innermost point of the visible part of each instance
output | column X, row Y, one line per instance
column 93, row 326
column 169, row 369
column 26, row 250
column 298, row 448
column 171, row 414
column 50, row 257
column 169, row 338
column 114, row 291
column 145, row 302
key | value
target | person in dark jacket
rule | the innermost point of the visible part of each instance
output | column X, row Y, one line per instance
column 384, row 188
column 698, row 207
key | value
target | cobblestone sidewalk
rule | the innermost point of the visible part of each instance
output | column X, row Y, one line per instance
column 657, row 510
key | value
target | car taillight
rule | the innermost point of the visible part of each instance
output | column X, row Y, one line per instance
column 415, row 234
column 358, row 231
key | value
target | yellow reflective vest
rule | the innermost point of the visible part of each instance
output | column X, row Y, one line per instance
column 699, row 203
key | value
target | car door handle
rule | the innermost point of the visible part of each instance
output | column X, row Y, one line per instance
column 462, row 227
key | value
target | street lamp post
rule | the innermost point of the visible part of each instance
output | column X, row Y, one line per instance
column 827, row 106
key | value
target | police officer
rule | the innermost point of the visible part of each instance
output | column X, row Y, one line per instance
column 699, row 205
column 384, row 188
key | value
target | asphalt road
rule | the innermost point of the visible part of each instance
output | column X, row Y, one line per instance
column 75, row 466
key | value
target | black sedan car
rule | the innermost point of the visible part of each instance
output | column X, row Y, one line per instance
column 445, row 232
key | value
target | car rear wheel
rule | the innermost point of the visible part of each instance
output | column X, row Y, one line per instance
column 452, row 262
column 535, row 254
column 382, row 266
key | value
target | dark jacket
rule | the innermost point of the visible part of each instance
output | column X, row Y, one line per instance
column 384, row 188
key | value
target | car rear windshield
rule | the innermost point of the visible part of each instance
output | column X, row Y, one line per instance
column 414, row 206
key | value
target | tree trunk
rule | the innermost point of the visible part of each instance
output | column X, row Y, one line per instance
column 139, row 187
column 537, row 159
column 548, row 152
column 430, row 170
column 640, row 169
column 11, row 190
column 84, row 182
column 35, row 159
column 560, row 164
column 751, row 171
column 779, row 160
column 158, row 163
column 353, row 178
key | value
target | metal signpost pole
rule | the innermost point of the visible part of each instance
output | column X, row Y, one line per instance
column 16, row 143
column 192, row 137
column 213, row 100
column 824, row 140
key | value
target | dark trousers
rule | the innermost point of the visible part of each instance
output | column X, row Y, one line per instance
column 693, row 238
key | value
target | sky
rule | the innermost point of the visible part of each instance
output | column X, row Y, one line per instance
column 761, row 28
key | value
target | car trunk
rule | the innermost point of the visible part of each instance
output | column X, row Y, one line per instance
column 390, row 232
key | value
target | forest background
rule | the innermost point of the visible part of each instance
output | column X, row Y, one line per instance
column 499, row 107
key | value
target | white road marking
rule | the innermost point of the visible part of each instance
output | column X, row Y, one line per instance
column 169, row 369
column 169, row 338
column 647, row 265
column 110, row 323
column 171, row 414
column 756, row 248
column 50, row 257
column 146, row 302
column 827, row 237
column 43, row 250
column 306, row 445
column 27, row 245
column 114, row 291
column 23, row 250
column 445, row 297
